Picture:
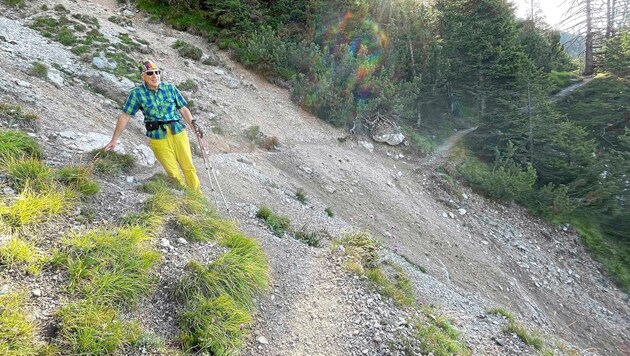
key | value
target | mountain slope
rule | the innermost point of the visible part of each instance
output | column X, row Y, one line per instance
column 477, row 254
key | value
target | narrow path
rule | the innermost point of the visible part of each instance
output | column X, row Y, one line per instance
column 571, row 88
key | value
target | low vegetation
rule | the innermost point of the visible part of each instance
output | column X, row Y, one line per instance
column 435, row 333
column 22, row 255
column 111, row 163
column 16, row 144
column 300, row 195
column 39, row 70
column 513, row 327
column 186, row 50
column 277, row 223
column 18, row 332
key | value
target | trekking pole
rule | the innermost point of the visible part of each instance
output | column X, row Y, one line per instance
column 209, row 168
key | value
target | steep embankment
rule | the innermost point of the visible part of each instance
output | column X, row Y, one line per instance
column 477, row 254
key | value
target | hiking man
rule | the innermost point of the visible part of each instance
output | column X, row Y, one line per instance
column 163, row 108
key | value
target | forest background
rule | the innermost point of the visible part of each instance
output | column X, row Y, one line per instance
column 437, row 66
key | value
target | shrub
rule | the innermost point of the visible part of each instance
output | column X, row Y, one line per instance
column 514, row 327
column 437, row 336
column 187, row 50
column 253, row 133
column 506, row 181
column 87, row 328
column 329, row 212
column 361, row 247
column 112, row 163
column 16, row 144
column 39, row 69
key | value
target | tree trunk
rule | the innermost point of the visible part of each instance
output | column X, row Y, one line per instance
column 588, row 57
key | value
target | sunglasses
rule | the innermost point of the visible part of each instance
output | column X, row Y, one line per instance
column 151, row 72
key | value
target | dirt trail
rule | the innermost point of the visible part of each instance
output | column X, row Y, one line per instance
column 477, row 254
column 571, row 88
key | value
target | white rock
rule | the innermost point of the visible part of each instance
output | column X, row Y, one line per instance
column 462, row 211
column 23, row 83
column 130, row 179
column 451, row 215
column 263, row 340
column 54, row 76
column 367, row 145
column 165, row 243
column 182, row 241
column 391, row 139
column 306, row 169
column 37, row 292
column 219, row 72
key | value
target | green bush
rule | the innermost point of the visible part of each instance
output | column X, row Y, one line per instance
column 506, row 181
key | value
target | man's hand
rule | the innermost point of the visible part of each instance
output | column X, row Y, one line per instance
column 197, row 128
column 110, row 146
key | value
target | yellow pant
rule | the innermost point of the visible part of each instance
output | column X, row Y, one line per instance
column 173, row 152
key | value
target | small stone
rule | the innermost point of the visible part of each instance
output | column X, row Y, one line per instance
column 462, row 211
column 182, row 241
column 130, row 179
column 263, row 340
column 37, row 292
column 451, row 215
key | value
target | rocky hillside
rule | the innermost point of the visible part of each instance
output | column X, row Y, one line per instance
column 464, row 255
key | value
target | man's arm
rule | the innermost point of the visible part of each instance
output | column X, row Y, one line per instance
column 121, row 124
column 186, row 114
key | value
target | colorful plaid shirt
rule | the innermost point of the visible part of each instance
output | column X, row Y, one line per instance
column 157, row 106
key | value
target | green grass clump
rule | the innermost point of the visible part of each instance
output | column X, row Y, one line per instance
column 187, row 50
column 28, row 171
column 112, row 163
column 188, row 85
column 560, row 80
column 86, row 328
column 329, row 212
column 301, row 196
column 22, row 255
column 163, row 203
column 195, row 228
column 437, row 336
column 309, row 237
column 513, row 327
column 110, row 267
column 213, row 326
column 240, row 274
column 18, row 334
column 278, row 224
column 39, row 70
column 361, row 247
column 395, row 285
column 16, row 3
column 34, row 207
column 160, row 182
column 77, row 178
column 16, row 144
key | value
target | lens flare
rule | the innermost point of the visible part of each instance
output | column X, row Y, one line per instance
column 362, row 38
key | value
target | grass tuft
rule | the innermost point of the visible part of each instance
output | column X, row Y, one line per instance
column 112, row 163
column 329, row 212
column 39, row 70
column 278, row 224
column 16, row 144
column 34, row 207
column 309, row 237
column 240, row 274
column 213, row 326
column 437, row 336
column 86, row 328
column 301, row 196
column 77, row 178
column 187, row 50
column 22, row 255
column 28, row 171
column 513, row 327
column 110, row 267
column 18, row 334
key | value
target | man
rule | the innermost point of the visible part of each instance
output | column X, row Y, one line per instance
column 163, row 107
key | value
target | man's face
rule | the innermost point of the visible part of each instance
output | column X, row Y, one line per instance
column 152, row 78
